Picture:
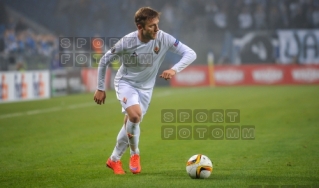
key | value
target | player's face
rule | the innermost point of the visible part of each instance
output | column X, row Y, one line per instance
column 150, row 29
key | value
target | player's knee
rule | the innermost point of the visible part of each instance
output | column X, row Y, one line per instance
column 135, row 118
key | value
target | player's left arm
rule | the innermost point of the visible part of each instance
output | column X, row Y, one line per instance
column 113, row 53
column 188, row 56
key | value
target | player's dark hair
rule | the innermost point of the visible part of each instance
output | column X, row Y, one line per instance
column 145, row 13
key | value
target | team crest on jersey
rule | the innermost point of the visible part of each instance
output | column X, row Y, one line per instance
column 124, row 100
column 156, row 49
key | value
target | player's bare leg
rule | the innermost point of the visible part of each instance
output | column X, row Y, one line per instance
column 133, row 133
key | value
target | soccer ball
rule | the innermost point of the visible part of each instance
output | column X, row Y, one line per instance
column 199, row 167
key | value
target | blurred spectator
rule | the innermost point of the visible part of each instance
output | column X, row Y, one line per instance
column 293, row 8
column 30, row 43
column 21, row 42
column 315, row 17
column 298, row 19
column 3, row 18
column 284, row 16
column 248, row 2
column 275, row 19
column 226, row 50
column 43, row 45
column 55, row 64
column 245, row 20
column 168, row 17
column 20, row 66
column 220, row 18
column 260, row 17
column 2, row 45
column 100, row 18
column 20, row 26
column 10, row 41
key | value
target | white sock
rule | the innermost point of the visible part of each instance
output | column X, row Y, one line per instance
column 133, row 134
column 121, row 145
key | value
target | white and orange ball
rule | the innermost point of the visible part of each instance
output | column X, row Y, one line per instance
column 199, row 167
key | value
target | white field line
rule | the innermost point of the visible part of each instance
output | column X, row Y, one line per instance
column 11, row 115
column 70, row 107
column 33, row 112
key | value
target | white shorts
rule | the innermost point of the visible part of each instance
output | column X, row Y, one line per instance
column 128, row 96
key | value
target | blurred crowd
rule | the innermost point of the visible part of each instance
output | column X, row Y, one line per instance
column 18, row 38
column 115, row 18
column 262, row 14
column 19, row 44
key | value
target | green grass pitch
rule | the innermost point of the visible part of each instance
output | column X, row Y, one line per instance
column 65, row 141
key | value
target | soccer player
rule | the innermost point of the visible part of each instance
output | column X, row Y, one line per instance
column 141, row 53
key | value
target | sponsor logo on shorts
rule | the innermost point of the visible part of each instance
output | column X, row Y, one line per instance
column 124, row 100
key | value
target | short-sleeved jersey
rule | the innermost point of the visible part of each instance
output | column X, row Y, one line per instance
column 141, row 61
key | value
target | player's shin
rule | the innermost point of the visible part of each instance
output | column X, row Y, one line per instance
column 133, row 134
column 121, row 145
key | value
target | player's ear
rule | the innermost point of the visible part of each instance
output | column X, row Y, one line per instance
column 139, row 26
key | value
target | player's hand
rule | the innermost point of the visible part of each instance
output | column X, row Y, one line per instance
column 168, row 74
column 99, row 97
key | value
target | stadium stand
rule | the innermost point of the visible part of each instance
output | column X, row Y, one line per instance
column 200, row 23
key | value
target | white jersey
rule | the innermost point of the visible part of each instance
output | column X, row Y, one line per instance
column 141, row 61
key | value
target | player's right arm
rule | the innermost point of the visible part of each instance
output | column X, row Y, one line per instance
column 108, row 57
column 99, row 96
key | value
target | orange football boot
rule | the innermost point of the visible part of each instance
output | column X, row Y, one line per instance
column 116, row 166
column 135, row 165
